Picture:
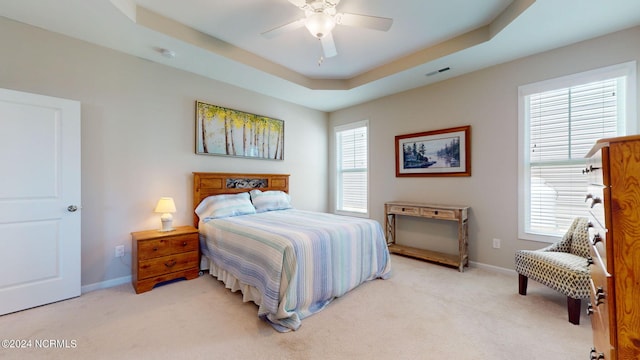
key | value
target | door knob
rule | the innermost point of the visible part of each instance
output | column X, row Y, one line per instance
column 72, row 208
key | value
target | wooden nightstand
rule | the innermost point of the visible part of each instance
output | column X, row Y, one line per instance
column 161, row 256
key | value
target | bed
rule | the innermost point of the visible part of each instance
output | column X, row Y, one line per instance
column 292, row 263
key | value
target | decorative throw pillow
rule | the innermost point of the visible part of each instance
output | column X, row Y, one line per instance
column 220, row 206
column 270, row 200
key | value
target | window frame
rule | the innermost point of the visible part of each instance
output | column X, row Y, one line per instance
column 627, row 109
column 338, row 179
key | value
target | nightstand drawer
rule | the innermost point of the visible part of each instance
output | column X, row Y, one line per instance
column 150, row 249
column 167, row 264
column 160, row 256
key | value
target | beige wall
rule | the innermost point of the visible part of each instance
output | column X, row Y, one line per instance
column 487, row 100
column 138, row 139
column 138, row 132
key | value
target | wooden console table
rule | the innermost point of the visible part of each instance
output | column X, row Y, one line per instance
column 440, row 212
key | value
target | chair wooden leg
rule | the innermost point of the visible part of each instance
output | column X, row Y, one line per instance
column 522, row 284
column 573, row 306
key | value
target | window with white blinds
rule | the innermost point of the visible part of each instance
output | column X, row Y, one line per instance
column 352, row 168
column 560, row 125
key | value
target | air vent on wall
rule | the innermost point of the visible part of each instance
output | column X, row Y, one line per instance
column 438, row 71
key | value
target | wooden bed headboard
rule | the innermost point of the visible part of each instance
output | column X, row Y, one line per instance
column 206, row 184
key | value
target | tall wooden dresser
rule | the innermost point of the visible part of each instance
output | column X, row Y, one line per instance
column 613, row 167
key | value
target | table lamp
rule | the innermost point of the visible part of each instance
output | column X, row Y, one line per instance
column 166, row 206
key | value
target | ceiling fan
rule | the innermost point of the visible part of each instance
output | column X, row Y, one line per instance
column 321, row 17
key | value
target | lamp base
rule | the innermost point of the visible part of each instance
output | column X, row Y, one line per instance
column 167, row 222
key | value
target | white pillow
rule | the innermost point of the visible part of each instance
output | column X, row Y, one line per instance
column 220, row 206
column 270, row 200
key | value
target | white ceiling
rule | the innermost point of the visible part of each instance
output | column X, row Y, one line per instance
column 220, row 39
column 241, row 22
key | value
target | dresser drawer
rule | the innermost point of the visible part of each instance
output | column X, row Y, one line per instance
column 167, row 264
column 150, row 249
column 404, row 210
column 595, row 174
column 600, row 295
column 595, row 201
column 594, row 170
column 600, row 328
column 595, row 196
column 599, row 254
column 598, row 270
column 597, row 233
column 603, row 337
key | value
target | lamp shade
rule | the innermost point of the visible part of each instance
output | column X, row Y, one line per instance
column 165, row 205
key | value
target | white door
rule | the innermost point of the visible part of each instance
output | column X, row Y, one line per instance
column 39, row 190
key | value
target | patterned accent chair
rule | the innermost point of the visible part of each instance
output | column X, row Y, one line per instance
column 563, row 266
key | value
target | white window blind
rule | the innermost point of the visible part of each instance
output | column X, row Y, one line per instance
column 561, row 125
column 352, row 172
column 564, row 125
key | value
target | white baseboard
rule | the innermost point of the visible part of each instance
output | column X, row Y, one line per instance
column 106, row 284
column 492, row 268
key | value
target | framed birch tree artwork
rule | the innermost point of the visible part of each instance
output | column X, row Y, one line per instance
column 228, row 132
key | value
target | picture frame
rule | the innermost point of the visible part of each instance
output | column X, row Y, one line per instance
column 445, row 152
column 228, row 132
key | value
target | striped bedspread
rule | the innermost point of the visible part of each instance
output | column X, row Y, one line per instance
column 298, row 260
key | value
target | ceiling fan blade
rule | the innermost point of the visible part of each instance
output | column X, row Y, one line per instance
column 328, row 46
column 365, row 21
column 270, row 34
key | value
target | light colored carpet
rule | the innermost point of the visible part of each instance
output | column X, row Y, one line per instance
column 424, row 311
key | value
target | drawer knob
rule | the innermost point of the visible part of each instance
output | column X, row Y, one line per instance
column 155, row 248
column 600, row 296
column 436, row 212
column 589, row 309
column 589, row 169
column 594, row 355
column 170, row 263
column 595, row 201
column 589, row 261
column 596, row 238
column 587, row 197
column 184, row 243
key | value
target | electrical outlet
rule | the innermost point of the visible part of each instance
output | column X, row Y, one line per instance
column 496, row 243
column 120, row 251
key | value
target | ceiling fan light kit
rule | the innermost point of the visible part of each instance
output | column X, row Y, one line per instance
column 320, row 24
column 321, row 18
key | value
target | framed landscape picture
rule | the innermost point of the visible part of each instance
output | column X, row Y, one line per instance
column 228, row 132
column 445, row 152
